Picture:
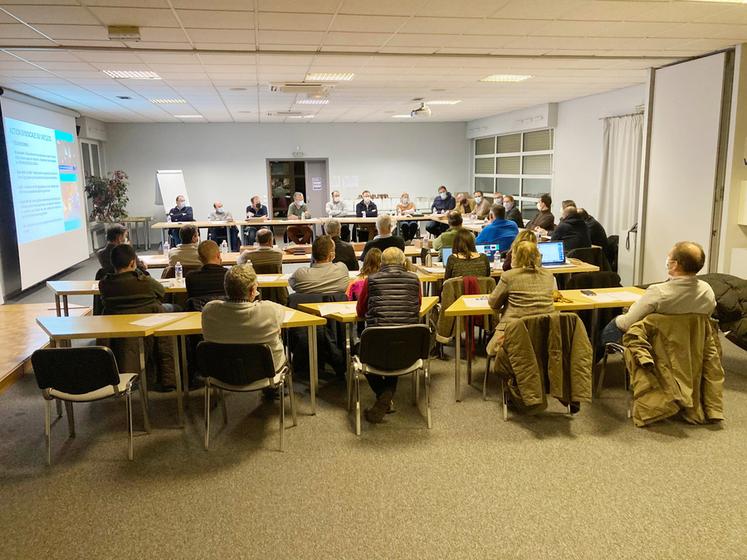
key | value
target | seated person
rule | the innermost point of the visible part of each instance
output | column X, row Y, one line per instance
column 299, row 211
column 544, row 221
column 336, row 209
column 241, row 318
column 207, row 283
column 464, row 205
column 344, row 251
column 441, row 204
column 464, row 259
column 115, row 235
column 265, row 259
column 385, row 239
column 218, row 234
column 323, row 276
column 512, row 212
column 682, row 293
column 597, row 234
column 482, row 206
column 366, row 208
column 127, row 289
column 370, row 265
column 524, row 290
column 179, row 213
column 523, row 235
column 406, row 207
column 571, row 230
column 454, row 218
column 391, row 296
column 254, row 211
column 500, row 230
column 186, row 251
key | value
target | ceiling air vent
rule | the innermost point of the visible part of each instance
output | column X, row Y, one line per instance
column 314, row 88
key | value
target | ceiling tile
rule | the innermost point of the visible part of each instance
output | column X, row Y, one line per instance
column 151, row 17
column 294, row 21
column 208, row 19
column 52, row 14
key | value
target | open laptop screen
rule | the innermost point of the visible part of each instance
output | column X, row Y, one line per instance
column 552, row 252
column 445, row 254
column 488, row 250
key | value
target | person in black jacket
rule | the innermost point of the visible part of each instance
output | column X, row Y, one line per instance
column 179, row 213
column 207, row 283
column 571, row 230
column 391, row 296
column 344, row 251
column 512, row 212
column 366, row 208
column 441, row 205
column 597, row 235
column 115, row 235
column 385, row 239
column 255, row 210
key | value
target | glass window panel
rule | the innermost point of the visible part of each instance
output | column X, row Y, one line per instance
column 535, row 188
column 509, row 186
column 509, row 144
column 484, row 165
column 86, row 159
column 508, row 165
column 484, row 184
column 538, row 165
column 484, row 146
column 538, row 140
column 528, row 209
column 95, row 166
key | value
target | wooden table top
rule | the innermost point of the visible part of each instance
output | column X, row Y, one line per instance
column 106, row 326
column 291, row 222
column 345, row 315
column 572, row 268
column 192, row 323
column 576, row 301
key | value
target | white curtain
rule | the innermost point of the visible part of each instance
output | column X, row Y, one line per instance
column 621, row 172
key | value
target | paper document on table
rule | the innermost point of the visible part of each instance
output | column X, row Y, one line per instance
column 284, row 277
column 153, row 320
column 268, row 278
column 612, row 297
column 342, row 308
column 434, row 269
column 478, row 302
column 289, row 315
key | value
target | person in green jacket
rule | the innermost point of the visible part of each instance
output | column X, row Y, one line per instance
column 446, row 239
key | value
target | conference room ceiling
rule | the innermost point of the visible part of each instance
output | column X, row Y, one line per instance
column 398, row 50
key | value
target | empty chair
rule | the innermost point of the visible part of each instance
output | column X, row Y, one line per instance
column 242, row 368
column 591, row 255
column 393, row 351
column 75, row 375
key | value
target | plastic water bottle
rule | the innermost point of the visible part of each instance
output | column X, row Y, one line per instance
column 179, row 272
column 166, row 248
column 364, row 214
column 168, row 217
column 224, row 247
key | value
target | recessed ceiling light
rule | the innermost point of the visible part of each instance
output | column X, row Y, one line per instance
column 300, row 116
column 244, row 112
column 329, row 76
column 237, row 89
column 189, row 116
column 505, row 78
column 313, row 101
column 401, row 116
column 444, row 102
column 168, row 101
column 124, row 97
column 132, row 74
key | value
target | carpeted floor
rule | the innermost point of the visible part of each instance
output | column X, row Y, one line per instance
column 550, row 486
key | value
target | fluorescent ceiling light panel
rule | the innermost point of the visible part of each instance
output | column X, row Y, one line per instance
column 189, row 116
column 401, row 116
column 444, row 102
column 168, row 101
column 505, row 78
column 132, row 74
column 313, row 101
column 300, row 116
column 329, row 76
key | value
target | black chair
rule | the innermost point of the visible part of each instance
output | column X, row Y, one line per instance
column 394, row 351
column 242, row 368
column 98, row 304
column 612, row 250
column 85, row 374
column 591, row 255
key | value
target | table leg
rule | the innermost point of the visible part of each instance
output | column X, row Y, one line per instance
column 457, row 368
column 143, row 373
column 65, row 305
column 349, row 359
column 594, row 335
column 57, row 305
column 313, row 366
column 185, row 371
column 178, row 380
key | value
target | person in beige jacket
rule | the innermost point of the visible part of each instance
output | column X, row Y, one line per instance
column 482, row 206
column 186, row 251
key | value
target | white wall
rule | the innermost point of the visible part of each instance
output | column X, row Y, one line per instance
column 578, row 144
column 227, row 161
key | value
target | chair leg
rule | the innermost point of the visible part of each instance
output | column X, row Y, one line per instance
column 70, row 418
column 415, row 385
column 602, row 371
column 207, row 415
column 282, row 416
column 504, row 400
column 427, row 375
column 356, row 381
column 485, row 378
column 128, row 403
column 629, row 393
column 58, row 403
column 48, row 429
column 222, row 397
column 143, row 404
column 292, row 397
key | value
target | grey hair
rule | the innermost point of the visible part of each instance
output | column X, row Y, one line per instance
column 332, row 227
column 239, row 281
column 384, row 222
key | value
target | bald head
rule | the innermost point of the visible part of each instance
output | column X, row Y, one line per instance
column 570, row 212
column 685, row 259
column 209, row 252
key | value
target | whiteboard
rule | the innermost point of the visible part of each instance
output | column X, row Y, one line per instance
column 170, row 184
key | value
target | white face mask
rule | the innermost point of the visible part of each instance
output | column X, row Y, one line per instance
column 335, row 199
column 539, row 206
column 219, row 210
column 180, row 205
column 405, row 200
column 478, row 199
column 366, row 199
column 442, row 195
column 299, row 203
column 508, row 205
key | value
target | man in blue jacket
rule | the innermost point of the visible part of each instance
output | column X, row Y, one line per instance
column 500, row 231
column 441, row 205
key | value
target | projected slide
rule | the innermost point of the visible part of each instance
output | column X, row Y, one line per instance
column 44, row 179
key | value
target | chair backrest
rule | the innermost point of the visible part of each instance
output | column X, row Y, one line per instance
column 591, row 280
column 395, row 347
column 197, row 303
column 75, row 370
column 295, row 299
column 235, row 364
column 590, row 255
column 267, row 268
column 170, row 271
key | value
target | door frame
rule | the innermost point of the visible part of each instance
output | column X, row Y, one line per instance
column 306, row 160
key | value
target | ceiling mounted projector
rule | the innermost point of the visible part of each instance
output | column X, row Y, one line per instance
column 422, row 111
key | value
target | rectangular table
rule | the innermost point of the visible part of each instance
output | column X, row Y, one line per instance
column 574, row 266
column 574, row 301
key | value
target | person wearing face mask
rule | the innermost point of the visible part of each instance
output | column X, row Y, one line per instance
column 441, row 205
column 406, row 207
column 680, row 294
column 464, row 205
column 482, row 206
column 366, row 208
column 544, row 221
column 218, row 234
column 179, row 213
column 336, row 209
column 300, row 234
column 571, row 230
column 255, row 210
column 512, row 212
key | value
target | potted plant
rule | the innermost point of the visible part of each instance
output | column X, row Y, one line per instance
column 108, row 196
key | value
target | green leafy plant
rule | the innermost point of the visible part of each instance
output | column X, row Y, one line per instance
column 108, row 196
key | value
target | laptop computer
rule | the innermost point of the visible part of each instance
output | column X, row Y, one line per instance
column 553, row 254
column 490, row 251
column 445, row 254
